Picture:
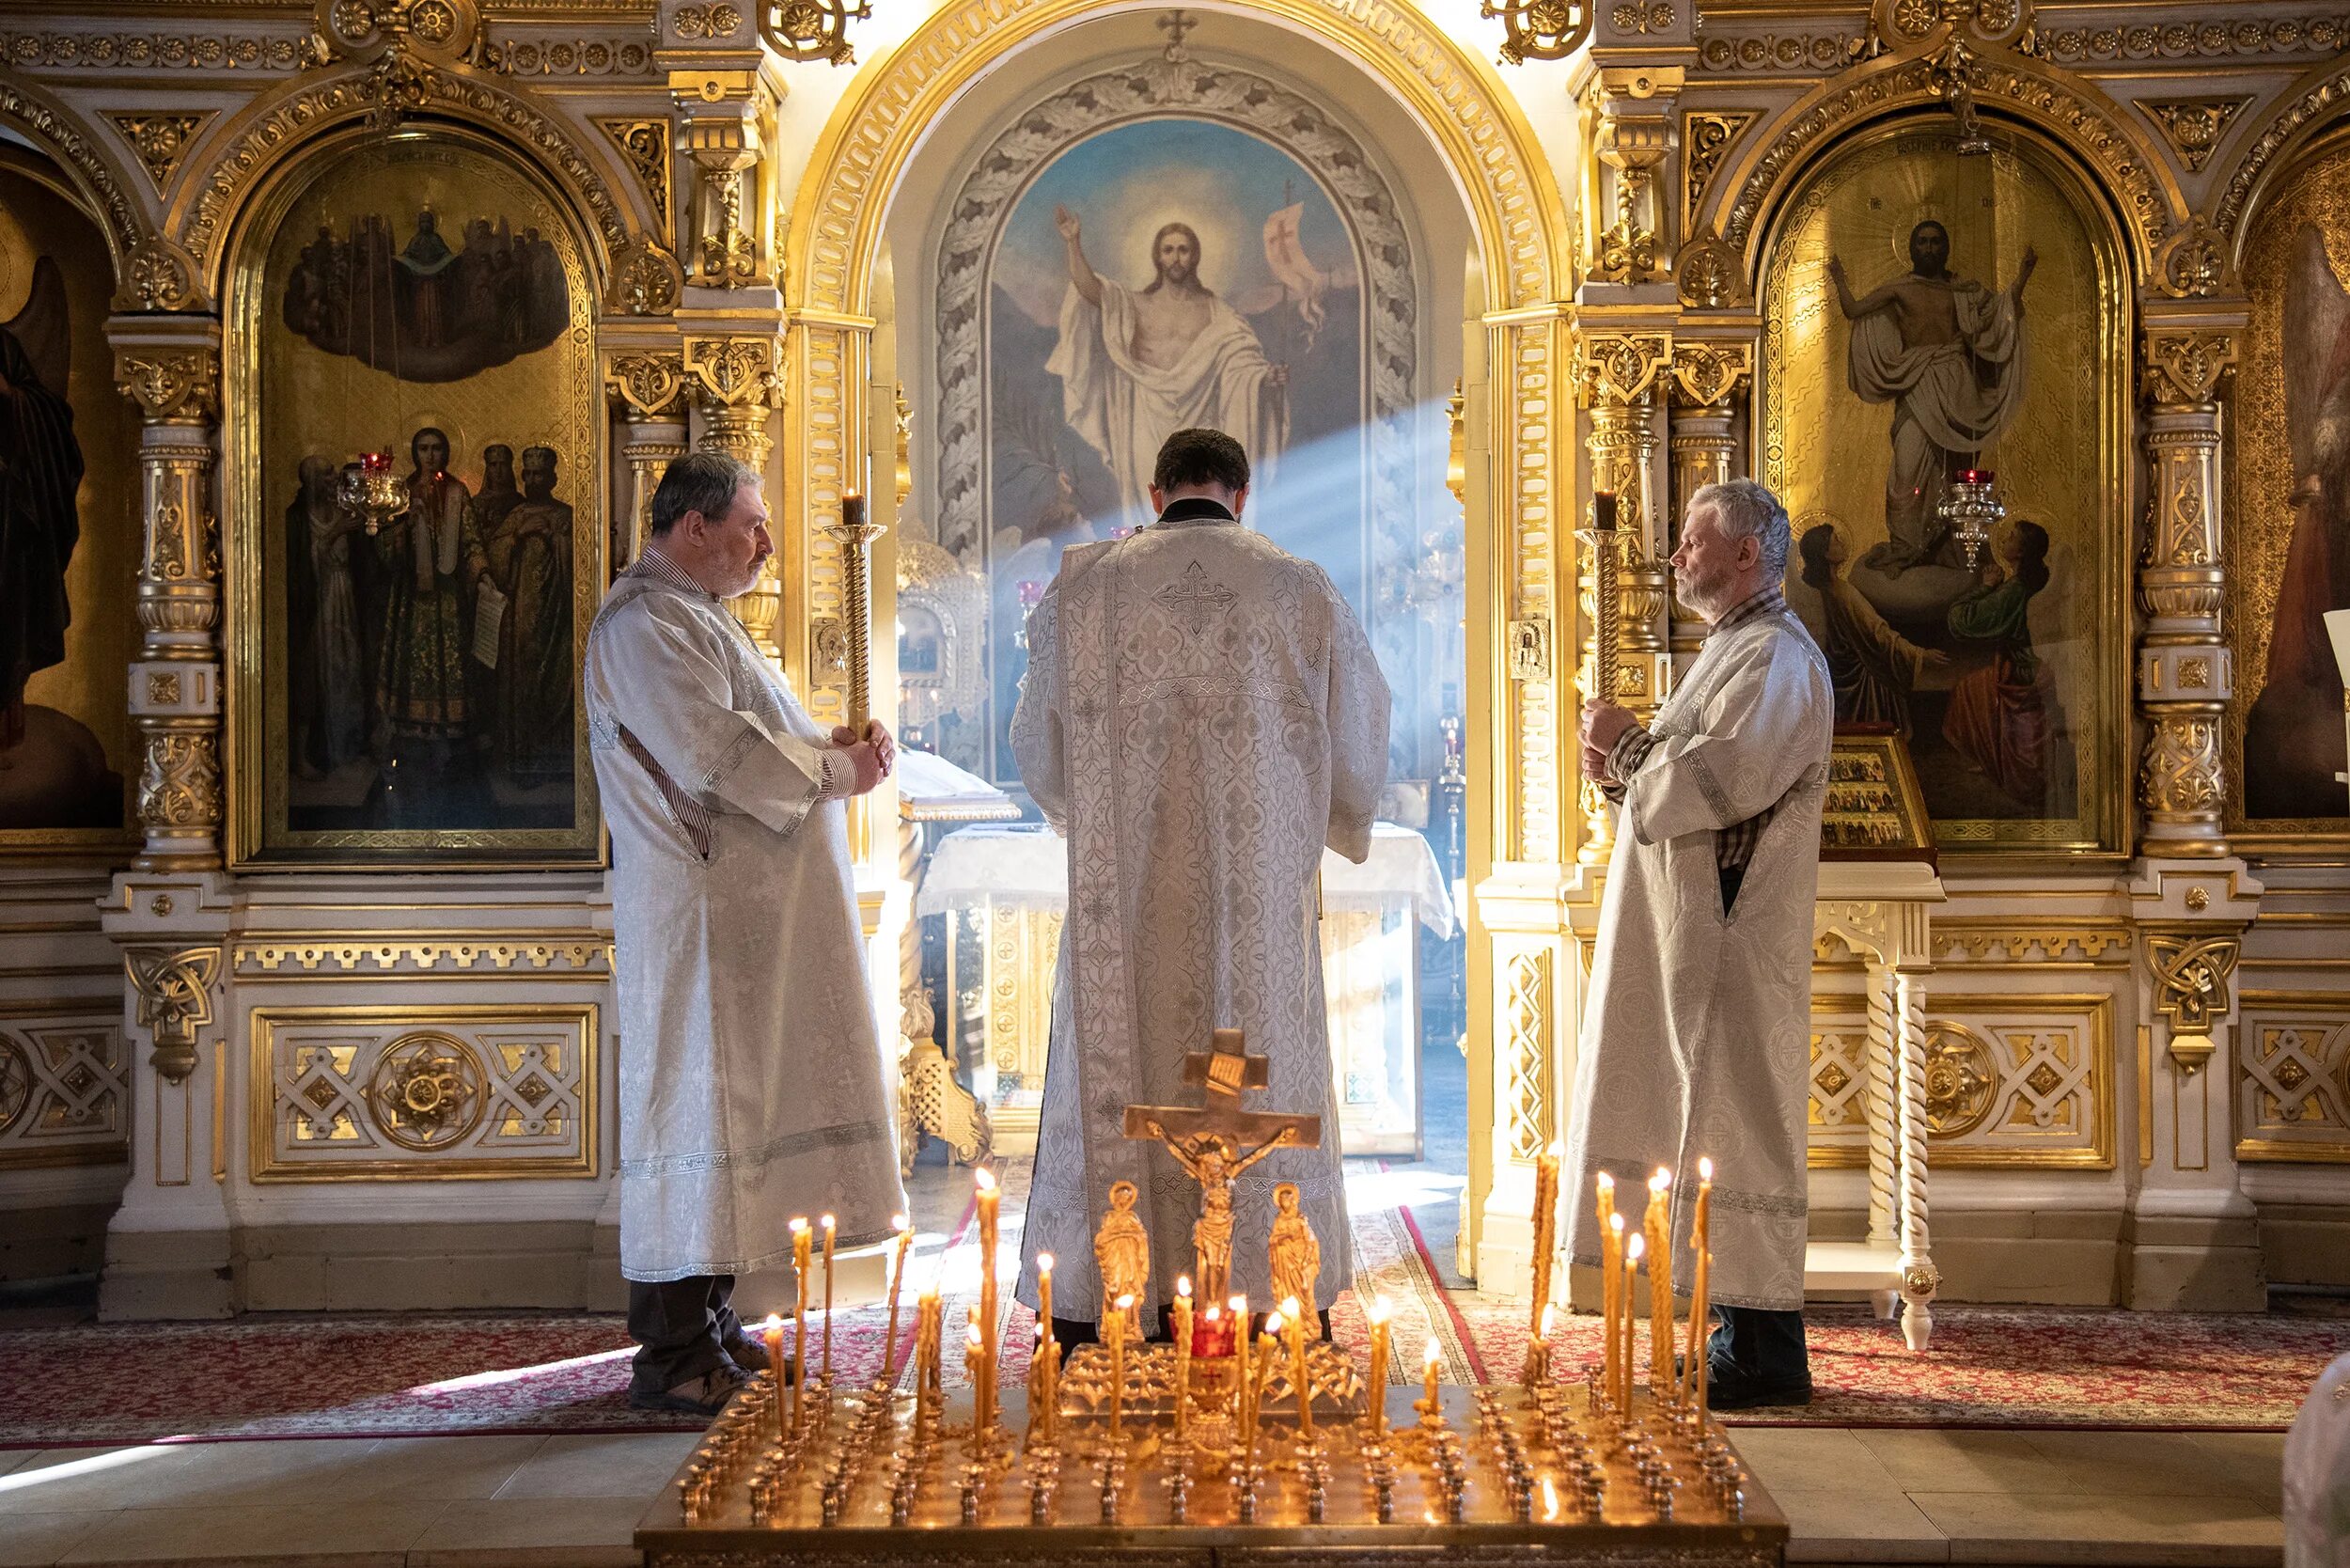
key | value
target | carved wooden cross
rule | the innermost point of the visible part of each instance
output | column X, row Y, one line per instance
column 1228, row 1072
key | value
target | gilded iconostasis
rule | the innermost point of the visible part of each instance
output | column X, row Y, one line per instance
column 68, row 520
column 416, row 677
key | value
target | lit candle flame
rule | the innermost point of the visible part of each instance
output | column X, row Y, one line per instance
column 1183, row 1284
column 1705, row 1169
column 1273, row 1323
column 1379, row 1311
column 1436, row 1353
column 1659, row 1182
column 898, row 1222
column 1124, row 1303
column 1550, row 1499
column 1607, row 1182
column 1214, row 1313
column 983, row 1179
column 826, row 1222
column 1291, row 1310
column 774, row 1324
column 799, row 1224
column 1550, row 1318
column 1615, row 1223
column 972, row 1333
column 1633, row 1249
column 1240, row 1305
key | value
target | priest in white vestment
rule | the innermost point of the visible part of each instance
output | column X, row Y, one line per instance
column 1138, row 365
column 752, row 1085
column 1948, row 353
column 1202, row 715
column 1697, row 1026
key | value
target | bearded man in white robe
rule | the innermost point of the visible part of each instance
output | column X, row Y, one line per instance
column 752, row 1086
column 1947, row 352
column 1202, row 715
column 1138, row 365
column 1697, row 1028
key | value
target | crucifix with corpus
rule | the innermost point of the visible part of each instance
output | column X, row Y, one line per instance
column 1217, row 1141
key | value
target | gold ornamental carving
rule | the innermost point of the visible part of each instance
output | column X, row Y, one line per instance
column 175, row 999
column 1710, row 275
column 2193, row 126
column 57, row 132
column 2190, row 975
column 180, row 786
column 1904, row 24
column 643, row 143
column 158, row 277
column 647, row 280
column 196, row 48
column 2315, row 103
column 1706, row 373
column 375, row 954
column 441, row 30
column 1961, row 1079
column 2184, row 367
column 2181, row 771
column 2193, row 263
column 1617, row 367
column 2209, row 37
column 1706, row 136
column 181, row 384
column 811, row 29
column 428, row 1092
column 651, row 385
column 1539, row 29
column 736, row 373
column 162, row 140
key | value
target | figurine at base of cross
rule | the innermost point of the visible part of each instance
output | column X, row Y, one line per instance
column 1218, row 1141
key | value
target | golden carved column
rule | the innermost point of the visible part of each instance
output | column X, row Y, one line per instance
column 720, row 108
column 737, row 383
column 1635, row 133
column 2184, row 677
column 173, row 374
column 1619, row 376
column 649, row 390
column 1707, row 377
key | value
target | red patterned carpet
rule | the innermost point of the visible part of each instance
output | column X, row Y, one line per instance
column 416, row 1376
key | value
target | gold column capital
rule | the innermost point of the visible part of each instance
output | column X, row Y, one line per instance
column 647, row 385
column 1706, row 371
column 1620, row 367
column 736, row 373
column 2184, row 364
column 175, row 385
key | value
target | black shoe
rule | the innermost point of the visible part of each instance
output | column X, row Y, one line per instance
column 703, row 1396
column 750, row 1354
column 1735, row 1392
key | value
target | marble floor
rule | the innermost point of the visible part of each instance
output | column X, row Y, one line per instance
column 1853, row 1496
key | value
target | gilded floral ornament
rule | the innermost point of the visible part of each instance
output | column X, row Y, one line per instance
column 2180, row 774
column 2193, row 126
column 649, row 384
column 1962, row 1080
column 160, row 140
column 1904, row 24
column 428, row 1092
column 646, row 144
column 1539, row 29
column 159, row 278
column 444, row 31
column 1710, row 275
column 1707, row 374
column 1616, row 368
column 645, row 282
column 2193, row 262
column 2190, row 974
column 736, row 373
column 811, row 29
column 175, row 999
column 179, row 787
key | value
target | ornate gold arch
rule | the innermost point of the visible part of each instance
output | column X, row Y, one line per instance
column 2126, row 166
column 2315, row 105
column 103, row 189
column 841, row 203
column 275, row 128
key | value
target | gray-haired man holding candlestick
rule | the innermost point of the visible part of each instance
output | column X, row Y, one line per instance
column 752, row 1086
column 1697, row 1026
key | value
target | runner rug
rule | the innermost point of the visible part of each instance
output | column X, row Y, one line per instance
column 413, row 1375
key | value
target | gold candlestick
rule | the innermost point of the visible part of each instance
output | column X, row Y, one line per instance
column 801, row 1260
column 1657, row 1230
column 1605, row 544
column 831, row 1229
column 856, row 538
column 896, row 1278
column 1183, row 1358
column 1380, row 1312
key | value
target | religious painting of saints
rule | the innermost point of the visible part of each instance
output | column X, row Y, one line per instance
column 2289, row 533
column 1928, row 312
column 426, row 302
column 1156, row 274
column 70, row 528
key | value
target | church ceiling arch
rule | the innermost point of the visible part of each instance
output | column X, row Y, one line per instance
column 2118, row 153
column 1511, row 192
column 78, row 150
column 284, row 127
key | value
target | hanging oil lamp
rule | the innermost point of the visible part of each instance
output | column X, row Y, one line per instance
column 1970, row 509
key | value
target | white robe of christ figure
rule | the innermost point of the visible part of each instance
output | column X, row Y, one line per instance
column 1202, row 715
column 1138, row 365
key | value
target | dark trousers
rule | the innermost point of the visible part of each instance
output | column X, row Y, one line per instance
column 682, row 1327
column 1068, row 1333
column 1759, row 1346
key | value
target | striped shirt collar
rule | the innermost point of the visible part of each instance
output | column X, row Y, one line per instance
column 1769, row 601
column 661, row 568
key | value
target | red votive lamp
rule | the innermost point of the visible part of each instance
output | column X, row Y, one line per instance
column 1212, row 1334
column 1975, row 476
column 375, row 462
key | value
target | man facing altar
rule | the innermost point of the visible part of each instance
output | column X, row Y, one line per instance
column 1697, row 1026
column 1202, row 715
column 752, row 1086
